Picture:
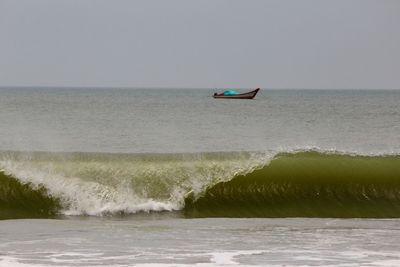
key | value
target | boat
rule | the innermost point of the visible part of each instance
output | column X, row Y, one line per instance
column 229, row 95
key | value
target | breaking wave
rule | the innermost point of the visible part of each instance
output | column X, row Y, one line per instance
column 308, row 183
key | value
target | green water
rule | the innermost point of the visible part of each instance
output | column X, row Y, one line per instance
column 308, row 184
column 298, row 184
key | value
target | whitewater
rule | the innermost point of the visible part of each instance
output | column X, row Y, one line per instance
column 306, row 183
column 101, row 184
column 172, row 177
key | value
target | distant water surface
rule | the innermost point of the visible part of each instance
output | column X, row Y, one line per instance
column 179, row 120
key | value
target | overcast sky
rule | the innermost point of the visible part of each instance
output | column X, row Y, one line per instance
column 202, row 43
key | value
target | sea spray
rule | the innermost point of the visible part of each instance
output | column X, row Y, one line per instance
column 106, row 184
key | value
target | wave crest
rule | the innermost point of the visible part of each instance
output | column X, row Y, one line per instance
column 99, row 184
column 290, row 184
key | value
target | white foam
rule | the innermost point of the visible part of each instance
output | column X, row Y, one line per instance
column 98, row 187
column 12, row 262
column 86, row 197
column 227, row 258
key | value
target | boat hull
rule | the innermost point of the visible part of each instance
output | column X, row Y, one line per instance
column 248, row 95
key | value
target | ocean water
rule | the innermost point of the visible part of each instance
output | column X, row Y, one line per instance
column 173, row 177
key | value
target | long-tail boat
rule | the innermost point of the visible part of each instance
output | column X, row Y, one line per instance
column 228, row 95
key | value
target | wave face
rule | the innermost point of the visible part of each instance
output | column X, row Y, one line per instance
column 18, row 200
column 290, row 184
column 308, row 184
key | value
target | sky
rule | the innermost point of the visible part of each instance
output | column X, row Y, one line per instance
column 201, row 44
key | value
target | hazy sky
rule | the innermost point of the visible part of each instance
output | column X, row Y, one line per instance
column 202, row 43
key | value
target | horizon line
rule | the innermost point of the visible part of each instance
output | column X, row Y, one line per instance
column 189, row 88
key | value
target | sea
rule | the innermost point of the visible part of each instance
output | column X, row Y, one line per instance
column 173, row 177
